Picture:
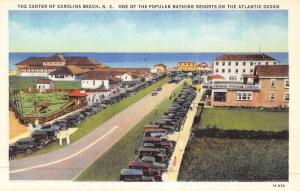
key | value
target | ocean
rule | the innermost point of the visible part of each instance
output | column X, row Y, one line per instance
column 140, row 59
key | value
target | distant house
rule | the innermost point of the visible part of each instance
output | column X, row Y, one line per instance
column 42, row 66
column 100, row 80
column 44, row 84
column 68, row 73
column 129, row 77
column 267, row 87
column 159, row 68
column 203, row 67
column 78, row 96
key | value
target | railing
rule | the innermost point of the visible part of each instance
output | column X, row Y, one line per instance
column 236, row 86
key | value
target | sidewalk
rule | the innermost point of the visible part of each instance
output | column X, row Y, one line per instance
column 181, row 139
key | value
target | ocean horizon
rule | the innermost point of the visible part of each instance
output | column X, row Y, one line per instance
column 132, row 60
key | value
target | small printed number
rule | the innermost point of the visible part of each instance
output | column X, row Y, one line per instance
column 278, row 185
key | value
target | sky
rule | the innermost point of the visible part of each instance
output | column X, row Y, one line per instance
column 148, row 31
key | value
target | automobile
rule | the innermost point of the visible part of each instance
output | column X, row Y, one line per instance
column 153, row 132
column 62, row 123
column 27, row 145
column 154, row 164
column 158, row 141
column 154, row 93
column 50, row 127
column 12, row 152
column 159, row 154
column 158, row 89
column 43, row 137
column 147, row 169
column 134, row 175
column 51, row 131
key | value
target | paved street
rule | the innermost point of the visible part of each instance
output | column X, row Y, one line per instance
column 68, row 162
column 181, row 139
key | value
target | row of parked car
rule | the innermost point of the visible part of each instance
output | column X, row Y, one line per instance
column 155, row 151
column 48, row 132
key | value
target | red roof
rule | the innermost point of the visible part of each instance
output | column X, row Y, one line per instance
column 77, row 93
column 244, row 57
column 216, row 76
column 272, row 70
column 114, row 78
column 162, row 65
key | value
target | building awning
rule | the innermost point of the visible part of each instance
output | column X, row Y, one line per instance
column 77, row 93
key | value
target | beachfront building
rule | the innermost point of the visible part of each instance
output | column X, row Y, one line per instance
column 267, row 87
column 68, row 73
column 188, row 66
column 159, row 68
column 234, row 66
column 100, row 80
column 42, row 66
column 44, row 84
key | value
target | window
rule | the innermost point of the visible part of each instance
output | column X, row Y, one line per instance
column 217, row 63
column 220, row 96
column 267, row 63
column 217, row 70
column 244, row 63
column 286, row 83
column 244, row 70
column 229, row 63
column 286, row 96
column 223, row 63
column 223, row 70
column 244, row 96
column 251, row 63
column 229, row 70
column 251, row 70
column 232, row 78
column 274, row 63
column 236, row 70
column 94, row 82
column 273, row 82
column 272, row 96
column 236, row 63
column 258, row 63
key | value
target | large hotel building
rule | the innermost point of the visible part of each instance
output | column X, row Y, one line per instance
column 234, row 66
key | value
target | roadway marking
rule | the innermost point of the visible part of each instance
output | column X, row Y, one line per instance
column 66, row 158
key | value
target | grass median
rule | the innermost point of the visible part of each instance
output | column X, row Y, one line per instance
column 95, row 121
column 109, row 165
column 245, row 120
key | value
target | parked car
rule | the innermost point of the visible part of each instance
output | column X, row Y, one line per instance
column 12, row 152
column 154, row 93
column 146, row 168
column 43, row 137
column 134, row 175
column 159, row 154
column 151, row 160
column 27, row 145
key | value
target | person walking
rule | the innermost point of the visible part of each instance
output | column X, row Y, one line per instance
column 174, row 162
column 156, row 110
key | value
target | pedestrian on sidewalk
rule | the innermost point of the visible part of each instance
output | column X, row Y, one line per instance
column 174, row 162
column 156, row 110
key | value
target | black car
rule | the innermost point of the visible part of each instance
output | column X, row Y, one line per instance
column 27, row 145
column 12, row 152
column 43, row 137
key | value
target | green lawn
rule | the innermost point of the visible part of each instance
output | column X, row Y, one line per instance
column 54, row 100
column 95, row 121
column 18, row 82
column 109, row 165
column 245, row 120
column 210, row 159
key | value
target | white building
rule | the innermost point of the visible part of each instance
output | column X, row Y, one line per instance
column 44, row 84
column 100, row 80
column 234, row 66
